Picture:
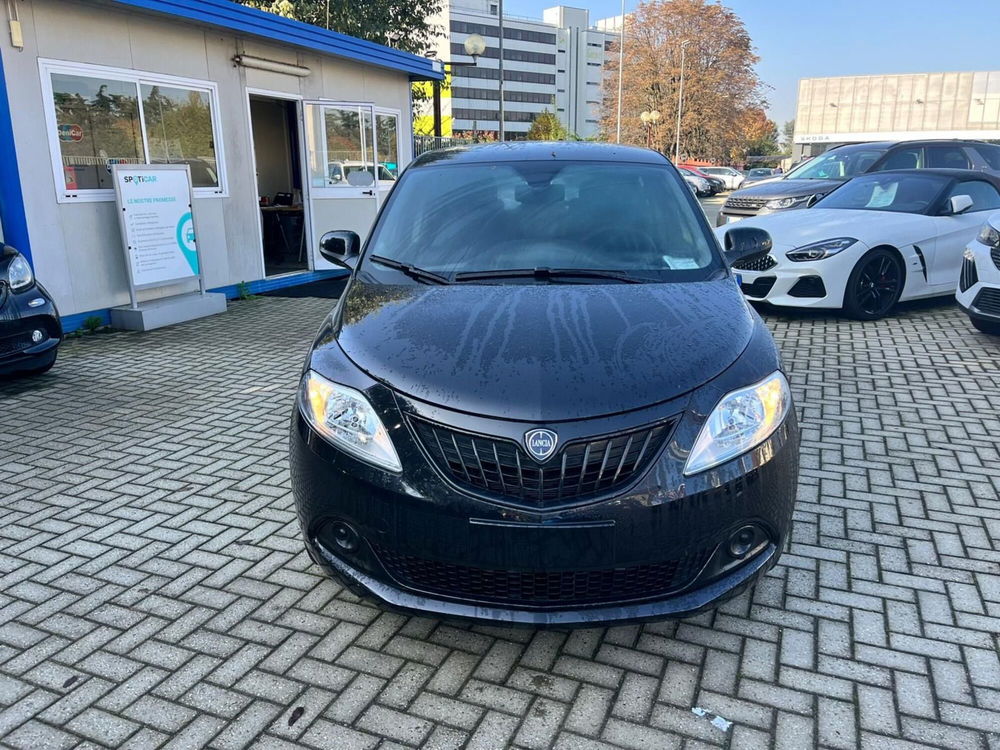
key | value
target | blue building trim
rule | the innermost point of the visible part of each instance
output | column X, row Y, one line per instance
column 12, row 216
column 241, row 18
column 74, row 322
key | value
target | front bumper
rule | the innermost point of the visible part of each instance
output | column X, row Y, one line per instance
column 21, row 314
column 657, row 549
column 791, row 284
column 981, row 299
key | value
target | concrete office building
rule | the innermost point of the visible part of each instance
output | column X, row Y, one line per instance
column 552, row 63
column 269, row 114
column 852, row 109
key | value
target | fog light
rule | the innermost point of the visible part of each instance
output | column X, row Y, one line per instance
column 344, row 536
column 37, row 336
column 36, row 302
column 742, row 541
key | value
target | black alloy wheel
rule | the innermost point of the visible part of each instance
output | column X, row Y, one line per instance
column 874, row 286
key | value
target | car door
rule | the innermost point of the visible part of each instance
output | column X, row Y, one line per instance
column 955, row 232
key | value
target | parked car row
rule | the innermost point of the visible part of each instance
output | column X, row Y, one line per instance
column 882, row 238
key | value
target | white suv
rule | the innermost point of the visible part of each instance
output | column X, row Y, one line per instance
column 979, row 283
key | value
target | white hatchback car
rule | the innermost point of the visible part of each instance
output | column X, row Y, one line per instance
column 731, row 177
column 881, row 238
column 979, row 283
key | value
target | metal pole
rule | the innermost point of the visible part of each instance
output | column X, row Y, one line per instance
column 437, row 113
column 680, row 103
column 621, row 72
column 500, row 17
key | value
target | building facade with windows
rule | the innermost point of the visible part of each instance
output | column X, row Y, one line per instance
column 554, row 63
column 853, row 109
column 274, row 118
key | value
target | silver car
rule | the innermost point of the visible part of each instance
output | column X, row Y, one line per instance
column 732, row 178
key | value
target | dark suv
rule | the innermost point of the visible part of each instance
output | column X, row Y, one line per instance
column 822, row 174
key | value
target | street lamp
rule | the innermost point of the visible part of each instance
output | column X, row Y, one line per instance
column 680, row 104
column 474, row 45
column 649, row 119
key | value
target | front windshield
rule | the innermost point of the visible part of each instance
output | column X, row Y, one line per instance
column 839, row 164
column 635, row 219
column 903, row 193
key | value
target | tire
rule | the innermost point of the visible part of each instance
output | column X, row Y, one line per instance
column 875, row 285
column 991, row 327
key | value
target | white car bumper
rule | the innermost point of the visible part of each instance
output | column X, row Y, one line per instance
column 980, row 278
column 819, row 284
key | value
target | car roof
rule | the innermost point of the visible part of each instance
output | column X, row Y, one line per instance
column 955, row 174
column 913, row 142
column 539, row 151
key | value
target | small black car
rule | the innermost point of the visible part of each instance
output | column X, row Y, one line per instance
column 542, row 398
column 30, row 330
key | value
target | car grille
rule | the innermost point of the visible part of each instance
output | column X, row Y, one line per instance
column 14, row 344
column 760, row 287
column 542, row 587
column 988, row 301
column 758, row 262
column 503, row 469
column 995, row 254
column 969, row 276
column 751, row 203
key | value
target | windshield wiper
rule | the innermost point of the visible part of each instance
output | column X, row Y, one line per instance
column 410, row 270
column 548, row 274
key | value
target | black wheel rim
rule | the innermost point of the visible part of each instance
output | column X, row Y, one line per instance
column 878, row 285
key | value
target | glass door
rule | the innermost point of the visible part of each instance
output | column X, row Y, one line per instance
column 387, row 138
column 343, row 161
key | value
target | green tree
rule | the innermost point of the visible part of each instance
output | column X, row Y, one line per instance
column 546, row 127
column 402, row 24
column 788, row 134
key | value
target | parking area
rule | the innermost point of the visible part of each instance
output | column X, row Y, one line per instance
column 154, row 589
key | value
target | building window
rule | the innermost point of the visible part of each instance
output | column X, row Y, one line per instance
column 493, row 74
column 493, row 9
column 100, row 117
column 532, row 97
column 509, row 32
column 514, row 55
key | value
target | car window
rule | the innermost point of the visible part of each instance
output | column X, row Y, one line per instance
column 838, row 164
column 984, row 196
column 991, row 154
column 903, row 158
column 576, row 215
column 903, row 193
column 947, row 157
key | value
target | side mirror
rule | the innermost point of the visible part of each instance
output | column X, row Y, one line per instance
column 741, row 242
column 959, row 204
column 340, row 247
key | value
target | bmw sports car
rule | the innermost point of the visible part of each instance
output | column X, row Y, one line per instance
column 542, row 398
column 882, row 238
column 979, row 283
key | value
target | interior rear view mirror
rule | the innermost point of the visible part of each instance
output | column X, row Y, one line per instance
column 341, row 247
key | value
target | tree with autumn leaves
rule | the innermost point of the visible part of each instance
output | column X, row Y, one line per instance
column 723, row 117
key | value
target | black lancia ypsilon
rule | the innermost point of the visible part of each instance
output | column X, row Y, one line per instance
column 542, row 398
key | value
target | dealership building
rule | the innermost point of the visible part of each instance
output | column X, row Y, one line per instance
column 853, row 109
column 553, row 63
column 275, row 120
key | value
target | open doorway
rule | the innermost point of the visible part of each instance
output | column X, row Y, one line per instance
column 274, row 123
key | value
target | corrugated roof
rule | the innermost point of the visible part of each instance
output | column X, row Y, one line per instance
column 246, row 20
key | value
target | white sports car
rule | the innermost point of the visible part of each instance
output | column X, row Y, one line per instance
column 979, row 283
column 881, row 238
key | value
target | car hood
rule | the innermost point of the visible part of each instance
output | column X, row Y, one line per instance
column 798, row 228
column 787, row 188
column 544, row 353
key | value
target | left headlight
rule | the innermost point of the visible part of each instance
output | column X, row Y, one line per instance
column 741, row 420
column 19, row 274
column 820, row 250
column 345, row 418
column 780, row 203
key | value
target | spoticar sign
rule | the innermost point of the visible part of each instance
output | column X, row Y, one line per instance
column 155, row 209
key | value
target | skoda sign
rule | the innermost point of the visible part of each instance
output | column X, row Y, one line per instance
column 541, row 444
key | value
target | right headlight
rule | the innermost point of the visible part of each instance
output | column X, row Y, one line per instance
column 19, row 274
column 345, row 418
column 781, row 203
column 820, row 250
column 741, row 420
column 989, row 236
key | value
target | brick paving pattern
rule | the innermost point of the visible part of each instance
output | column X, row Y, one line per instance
column 154, row 590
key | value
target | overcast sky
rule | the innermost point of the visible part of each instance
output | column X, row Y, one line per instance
column 805, row 38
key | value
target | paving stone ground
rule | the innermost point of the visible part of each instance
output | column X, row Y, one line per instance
column 154, row 590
